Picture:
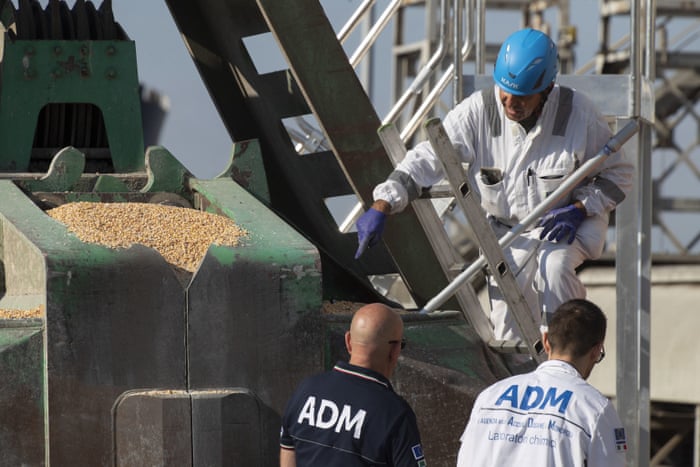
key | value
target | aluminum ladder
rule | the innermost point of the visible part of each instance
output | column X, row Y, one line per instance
column 446, row 254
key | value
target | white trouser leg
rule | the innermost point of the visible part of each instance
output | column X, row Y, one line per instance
column 548, row 277
column 521, row 257
column 556, row 280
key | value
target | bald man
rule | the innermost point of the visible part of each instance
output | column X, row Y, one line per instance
column 351, row 416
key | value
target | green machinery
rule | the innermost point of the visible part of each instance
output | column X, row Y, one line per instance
column 130, row 363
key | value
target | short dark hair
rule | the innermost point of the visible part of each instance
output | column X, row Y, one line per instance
column 576, row 327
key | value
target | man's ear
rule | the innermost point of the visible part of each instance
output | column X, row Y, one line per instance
column 596, row 351
column 348, row 344
column 394, row 352
column 545, row 341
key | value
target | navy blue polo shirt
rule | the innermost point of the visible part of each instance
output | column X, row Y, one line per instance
column 350, row 416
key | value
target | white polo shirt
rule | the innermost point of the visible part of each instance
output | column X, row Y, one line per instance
column 549, row 417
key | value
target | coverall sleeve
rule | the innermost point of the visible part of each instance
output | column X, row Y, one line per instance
column 420, row 168
column 608, row 443
column 613, row 181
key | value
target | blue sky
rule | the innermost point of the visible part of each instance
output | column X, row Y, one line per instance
column 192, row 131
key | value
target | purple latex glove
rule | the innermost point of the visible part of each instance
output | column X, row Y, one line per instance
column 370, row 226
column 561, row 222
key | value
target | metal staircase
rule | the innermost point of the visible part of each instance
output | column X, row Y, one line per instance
column 320, row 80
column 297, row 187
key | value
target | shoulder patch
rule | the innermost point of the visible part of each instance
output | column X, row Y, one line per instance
column 488, row 97
column 417, row 451
column 620, row 439
column 566, row 97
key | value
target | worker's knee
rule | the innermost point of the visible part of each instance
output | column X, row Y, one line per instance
column 591, row 236
column 559, row 262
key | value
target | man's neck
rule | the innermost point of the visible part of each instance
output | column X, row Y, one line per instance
column 530, row 122
column 578, row 363
column 366, row 362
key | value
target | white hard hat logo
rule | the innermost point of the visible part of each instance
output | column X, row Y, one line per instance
column 509, row 84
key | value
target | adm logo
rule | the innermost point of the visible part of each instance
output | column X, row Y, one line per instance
column 535, row 397
column 328, row 416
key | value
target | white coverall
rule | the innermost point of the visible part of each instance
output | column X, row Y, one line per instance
column 532, row 164
column 549, row 417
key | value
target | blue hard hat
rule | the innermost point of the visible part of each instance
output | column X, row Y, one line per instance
column 526, row 63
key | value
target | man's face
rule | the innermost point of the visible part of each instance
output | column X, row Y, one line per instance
column 518, row 108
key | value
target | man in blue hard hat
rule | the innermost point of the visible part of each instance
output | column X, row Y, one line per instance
column 522, row 138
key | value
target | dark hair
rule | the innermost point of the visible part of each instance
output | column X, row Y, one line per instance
column 576, row 326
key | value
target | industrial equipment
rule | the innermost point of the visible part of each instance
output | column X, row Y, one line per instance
column 128, row 360
column 117, row 356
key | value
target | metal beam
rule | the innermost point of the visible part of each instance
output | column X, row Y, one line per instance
column 633, row 304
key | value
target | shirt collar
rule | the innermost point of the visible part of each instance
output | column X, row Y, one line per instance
column 361, row 372
column 559, row 365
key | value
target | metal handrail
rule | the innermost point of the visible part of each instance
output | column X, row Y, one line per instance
column 408, row 131
column 480, row 54
column 449, row 75
column 457, row 56
column 433, row 96
column 374, row 32
column 354, row 20
column 416, row 86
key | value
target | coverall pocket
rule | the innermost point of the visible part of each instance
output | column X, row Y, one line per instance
column 493, row 197
column 543, row 183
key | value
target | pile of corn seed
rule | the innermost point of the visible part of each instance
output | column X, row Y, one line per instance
column 339, row 307
column 22, row 314
column 181, row 235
